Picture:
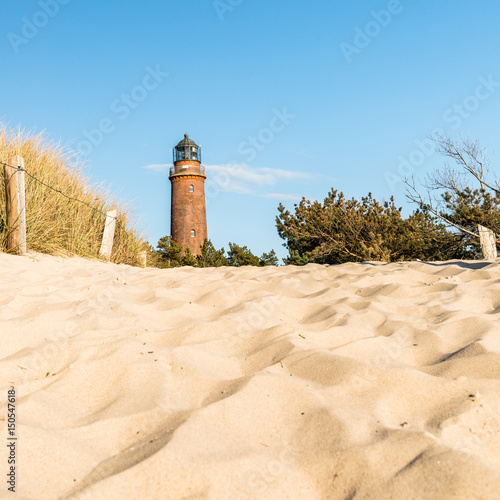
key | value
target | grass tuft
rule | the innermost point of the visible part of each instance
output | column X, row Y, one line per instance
column 56, row 224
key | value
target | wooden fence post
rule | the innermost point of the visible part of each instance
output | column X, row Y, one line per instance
column 144, row 258
column 15, row 205
column 22, row 207
column 109, row 234
column 488, row 242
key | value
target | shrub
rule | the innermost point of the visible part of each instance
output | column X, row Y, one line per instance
column 347, row 230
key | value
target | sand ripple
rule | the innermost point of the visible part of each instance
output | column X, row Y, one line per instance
column 361, row 381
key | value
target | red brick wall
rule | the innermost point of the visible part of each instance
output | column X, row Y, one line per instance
column 188, row 211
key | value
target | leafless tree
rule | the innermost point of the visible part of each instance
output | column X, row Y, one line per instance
column 455, row 186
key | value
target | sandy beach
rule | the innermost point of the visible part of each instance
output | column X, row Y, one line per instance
column 366, row 381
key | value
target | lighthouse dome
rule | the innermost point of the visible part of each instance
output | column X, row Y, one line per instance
column 186, row 142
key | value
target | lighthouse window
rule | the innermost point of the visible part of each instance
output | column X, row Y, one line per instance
column 192, row 233
column 191, row 188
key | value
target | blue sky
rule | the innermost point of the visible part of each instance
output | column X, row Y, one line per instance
column 287, row 99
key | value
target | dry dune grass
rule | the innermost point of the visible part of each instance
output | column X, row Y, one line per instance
column 56, row 224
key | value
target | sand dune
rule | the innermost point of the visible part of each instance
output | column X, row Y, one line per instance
column 366, row 381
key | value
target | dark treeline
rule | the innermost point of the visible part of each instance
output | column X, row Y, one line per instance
column 169, row 254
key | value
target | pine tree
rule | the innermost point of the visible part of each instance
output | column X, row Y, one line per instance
column 210, row 257
column 347, row 230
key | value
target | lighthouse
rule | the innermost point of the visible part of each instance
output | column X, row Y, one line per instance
column 188, row 219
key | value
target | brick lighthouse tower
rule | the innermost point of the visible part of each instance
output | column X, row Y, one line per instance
column 188, row 223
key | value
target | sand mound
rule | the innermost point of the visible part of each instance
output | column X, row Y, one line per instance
column 354, row 381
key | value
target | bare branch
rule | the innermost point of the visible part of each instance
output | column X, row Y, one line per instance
column 413, row 195
column 468, row 155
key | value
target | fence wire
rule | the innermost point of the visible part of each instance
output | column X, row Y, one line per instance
column 61, row 193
